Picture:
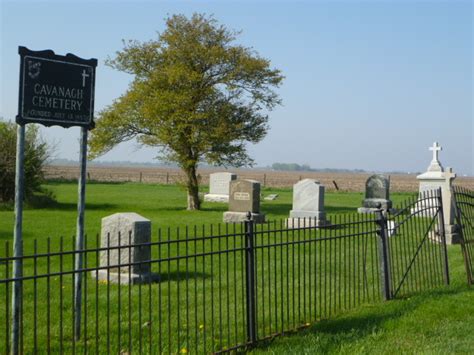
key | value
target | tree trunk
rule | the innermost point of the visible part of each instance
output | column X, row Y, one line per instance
column 193, row 189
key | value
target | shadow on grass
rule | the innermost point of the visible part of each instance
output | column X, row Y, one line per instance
column 276, row 208
column 217, row 208
column 166, row 208
column 333, row 209
column 285, row 208
column 182, row 276
column 354, row 327
column 5, row 236
column 184, row 209
column 45, row 202
column 68, row 206
column 54, row 182
column 42, row 199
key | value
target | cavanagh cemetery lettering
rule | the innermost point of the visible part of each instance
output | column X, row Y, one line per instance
column 56, row 90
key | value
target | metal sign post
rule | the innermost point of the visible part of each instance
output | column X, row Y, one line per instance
column 17, row 291
column 80, row 234
column 81, row 202
column 54, row 90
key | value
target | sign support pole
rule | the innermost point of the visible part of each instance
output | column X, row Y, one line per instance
column 80, row 235
column 71, row 79
column 18, row 241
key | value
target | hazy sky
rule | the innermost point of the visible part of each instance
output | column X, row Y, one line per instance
column 369, row 84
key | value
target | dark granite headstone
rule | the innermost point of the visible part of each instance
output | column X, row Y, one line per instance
column 377, row 194
column 377, row 186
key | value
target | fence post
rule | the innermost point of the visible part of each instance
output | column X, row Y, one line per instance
column 384, row 259
column 442, row 235
column 250, row 279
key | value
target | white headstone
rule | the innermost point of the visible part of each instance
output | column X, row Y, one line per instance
column 219, row 187
column 120, row 233
column 308, row 204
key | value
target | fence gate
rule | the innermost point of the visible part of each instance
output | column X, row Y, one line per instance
column 464, row 200
column 417, row 245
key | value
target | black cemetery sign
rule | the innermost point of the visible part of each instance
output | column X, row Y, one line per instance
column 55, row 89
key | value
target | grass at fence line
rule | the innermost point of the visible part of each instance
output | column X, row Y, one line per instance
column 430, row 322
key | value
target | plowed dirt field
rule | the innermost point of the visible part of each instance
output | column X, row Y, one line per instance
column 343, row 181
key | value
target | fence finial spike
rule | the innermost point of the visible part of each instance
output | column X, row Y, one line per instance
column 249, row 216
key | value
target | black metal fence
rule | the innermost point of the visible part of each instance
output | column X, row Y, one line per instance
column 222, row 287
column 464, row 200
column 417, row 249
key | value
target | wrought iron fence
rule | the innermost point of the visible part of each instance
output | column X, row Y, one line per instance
column 224, row 287
column 464, row 200
column 417, row 245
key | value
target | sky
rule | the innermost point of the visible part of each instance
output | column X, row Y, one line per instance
column 369, row 84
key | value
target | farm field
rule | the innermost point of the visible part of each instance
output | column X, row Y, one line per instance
column 219, row 278
column 350, row 182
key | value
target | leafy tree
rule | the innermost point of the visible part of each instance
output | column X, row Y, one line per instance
column 36, row 154
column 196, row 96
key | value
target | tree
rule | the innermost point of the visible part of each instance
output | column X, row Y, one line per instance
column 196, row 96
column 37, row 153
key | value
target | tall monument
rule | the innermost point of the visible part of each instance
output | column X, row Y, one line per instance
column 437, row 177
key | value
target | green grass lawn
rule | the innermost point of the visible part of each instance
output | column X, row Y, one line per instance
column 431, row 322
column 211, row 287
column 437, row 322
column 164, row 205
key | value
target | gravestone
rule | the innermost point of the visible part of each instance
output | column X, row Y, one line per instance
column 436, row 177
column 125, row 230
column 377, row 194
column 219, row 187
column 271, row 197
column 308, row 205
column 244, row 196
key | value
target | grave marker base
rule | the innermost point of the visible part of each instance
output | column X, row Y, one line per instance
column 216, row 198
column 125, row 278
column 237, row 217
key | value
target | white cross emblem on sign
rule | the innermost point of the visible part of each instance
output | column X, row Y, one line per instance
column 84, row 76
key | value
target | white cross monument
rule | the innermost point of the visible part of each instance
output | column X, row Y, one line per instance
column 437, row 177
column 435, row 165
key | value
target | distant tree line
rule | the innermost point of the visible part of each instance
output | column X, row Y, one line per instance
column 306, row 167
column 290, row 167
